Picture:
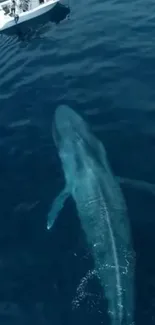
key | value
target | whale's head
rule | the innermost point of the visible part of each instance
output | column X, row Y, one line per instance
column 74, row 140
column 69, row 132
column 68, row 126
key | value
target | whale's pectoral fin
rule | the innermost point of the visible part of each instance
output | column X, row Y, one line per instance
column 57, row 205
column 137, row 184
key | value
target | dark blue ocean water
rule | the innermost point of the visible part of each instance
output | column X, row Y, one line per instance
column 101, row 62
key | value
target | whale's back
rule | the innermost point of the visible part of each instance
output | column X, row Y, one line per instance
column 102, row 212
column 101, row 209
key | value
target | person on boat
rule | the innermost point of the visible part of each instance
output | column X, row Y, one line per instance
column 24, row 5
column 13, row 7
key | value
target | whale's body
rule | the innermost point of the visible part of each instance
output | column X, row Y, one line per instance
column 100, row 207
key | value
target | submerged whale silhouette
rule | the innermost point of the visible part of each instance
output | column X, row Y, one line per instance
column 100, row 207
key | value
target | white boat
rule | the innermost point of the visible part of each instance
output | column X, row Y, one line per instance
column 24, row 11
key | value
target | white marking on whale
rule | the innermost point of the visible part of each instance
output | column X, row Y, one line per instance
column 100, row 207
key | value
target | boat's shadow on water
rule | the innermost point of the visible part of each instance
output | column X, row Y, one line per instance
column 35, row 28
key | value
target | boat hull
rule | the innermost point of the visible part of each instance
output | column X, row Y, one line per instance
column 28, row 15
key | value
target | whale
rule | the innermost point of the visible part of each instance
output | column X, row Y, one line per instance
column 101, row 208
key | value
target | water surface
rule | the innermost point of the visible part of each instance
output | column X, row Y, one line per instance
column 100, row 62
